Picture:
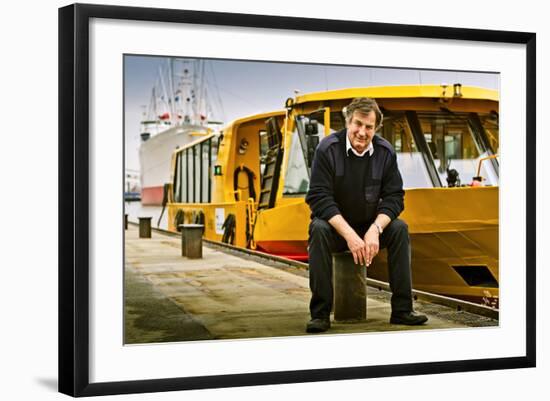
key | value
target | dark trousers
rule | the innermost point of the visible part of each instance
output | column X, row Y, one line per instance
column 324, row 240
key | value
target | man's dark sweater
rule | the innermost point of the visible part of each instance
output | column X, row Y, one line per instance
column 358, row 188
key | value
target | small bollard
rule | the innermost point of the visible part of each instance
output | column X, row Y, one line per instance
column 191, row 240
column 350, row 288
column 145, row 227
column 126, row 221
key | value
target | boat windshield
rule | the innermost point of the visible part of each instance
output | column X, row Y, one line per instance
column 410, row 161
column 426, row 155
column 395, row 129
column 489, row 122
column 297, row 171
column 453, row 145
column 192, row 168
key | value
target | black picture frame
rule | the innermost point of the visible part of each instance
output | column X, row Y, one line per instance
column 74, row 194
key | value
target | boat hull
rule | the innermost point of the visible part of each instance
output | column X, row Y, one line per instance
column 152, row 196
column 454, row 240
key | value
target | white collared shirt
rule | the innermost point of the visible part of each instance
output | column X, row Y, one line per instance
column 369, row 148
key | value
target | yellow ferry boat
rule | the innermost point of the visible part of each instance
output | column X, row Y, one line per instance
column 251, row 192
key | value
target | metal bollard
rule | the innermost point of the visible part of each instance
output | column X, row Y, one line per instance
column 191, row 240
column 126, row 221
column 350, row 288
column 145, row 227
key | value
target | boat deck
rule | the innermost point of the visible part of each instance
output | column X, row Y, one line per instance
column 228, row 294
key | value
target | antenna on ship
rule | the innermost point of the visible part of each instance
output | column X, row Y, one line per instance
column 165, row 97
column 171, row 98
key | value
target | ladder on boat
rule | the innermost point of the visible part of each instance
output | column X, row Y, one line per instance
column 272, row 169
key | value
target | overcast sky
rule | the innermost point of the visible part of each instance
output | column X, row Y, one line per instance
column 249, row 87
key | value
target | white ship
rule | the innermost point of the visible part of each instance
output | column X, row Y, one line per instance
column 180, row 111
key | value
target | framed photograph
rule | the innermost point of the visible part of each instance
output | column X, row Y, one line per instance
column 186, row 148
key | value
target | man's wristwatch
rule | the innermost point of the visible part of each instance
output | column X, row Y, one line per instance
column 378, row 228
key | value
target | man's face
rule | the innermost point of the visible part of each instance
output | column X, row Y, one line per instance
column 361, row 130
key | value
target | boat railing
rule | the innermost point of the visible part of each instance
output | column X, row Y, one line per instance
column 481, row 161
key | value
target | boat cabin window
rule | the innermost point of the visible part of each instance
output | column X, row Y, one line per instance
column 337, row 121
column 310, row 130
column 297, row 176
column 437, row 143
column 490, row 125
column 410, row 161
column 453, row 145
column 192, row 168
column 395, row 129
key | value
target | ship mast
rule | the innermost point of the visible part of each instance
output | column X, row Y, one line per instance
column 165, row 92
column 180, row 95
column 173, row 117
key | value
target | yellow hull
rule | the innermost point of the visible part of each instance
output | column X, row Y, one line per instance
column 452, row 229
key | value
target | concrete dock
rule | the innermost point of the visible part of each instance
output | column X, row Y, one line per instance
column 227, row 295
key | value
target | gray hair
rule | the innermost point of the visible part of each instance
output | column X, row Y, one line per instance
column 363, row 105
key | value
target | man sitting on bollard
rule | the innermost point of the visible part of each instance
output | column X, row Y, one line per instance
column 355, row 195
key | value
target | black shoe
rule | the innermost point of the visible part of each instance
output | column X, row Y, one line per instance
column 318, row 325
column 408, row 318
